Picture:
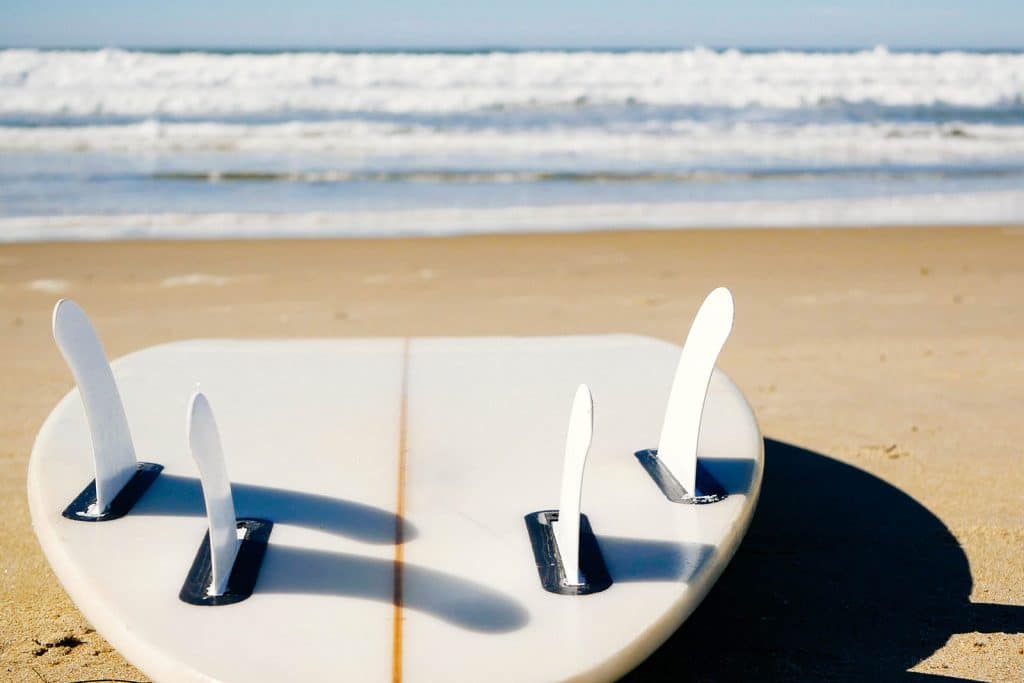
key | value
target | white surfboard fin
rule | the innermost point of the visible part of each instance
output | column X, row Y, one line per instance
column 119, row 479
column 577, row 445
column 568, row 558
column 229, row 558
column 674, row 465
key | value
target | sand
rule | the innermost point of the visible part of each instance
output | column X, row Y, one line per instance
column 886, row 367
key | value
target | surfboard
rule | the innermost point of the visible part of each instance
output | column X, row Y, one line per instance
column 457, row 509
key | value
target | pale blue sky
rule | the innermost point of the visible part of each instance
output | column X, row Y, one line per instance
column 518, row 23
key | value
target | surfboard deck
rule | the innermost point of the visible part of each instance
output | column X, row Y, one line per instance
column 397, row 473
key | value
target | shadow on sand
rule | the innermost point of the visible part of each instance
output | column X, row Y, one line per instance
column 841, row 577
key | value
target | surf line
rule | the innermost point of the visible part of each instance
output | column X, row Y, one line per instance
column 397, row 588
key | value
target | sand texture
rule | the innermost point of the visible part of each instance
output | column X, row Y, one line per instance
column 886, row 367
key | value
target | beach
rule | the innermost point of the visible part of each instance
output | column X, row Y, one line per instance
column 884, row 366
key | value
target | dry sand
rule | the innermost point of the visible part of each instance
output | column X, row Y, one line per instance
column 886, row 367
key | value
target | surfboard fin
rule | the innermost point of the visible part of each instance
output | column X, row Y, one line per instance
column 577, row 445
column 119, row 479
column 567, row 555
column 674, row 465
column 229, row 558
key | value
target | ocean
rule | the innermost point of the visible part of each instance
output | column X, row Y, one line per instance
column 104, row 144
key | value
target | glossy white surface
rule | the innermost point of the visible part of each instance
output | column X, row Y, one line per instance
column 113, row 455
column 204, row 442
column 329, row 438
column 577, row 445
column 677, row 447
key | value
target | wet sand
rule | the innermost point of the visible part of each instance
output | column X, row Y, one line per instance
column 886, row 367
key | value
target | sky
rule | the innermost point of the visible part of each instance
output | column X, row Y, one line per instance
column 517, row 23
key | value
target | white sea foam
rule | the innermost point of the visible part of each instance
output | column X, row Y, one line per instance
column 972, row 209
column 110, row 83
column 682, row 142
column 385, row 144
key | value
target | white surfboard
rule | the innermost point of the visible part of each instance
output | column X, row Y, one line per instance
column 401, row 498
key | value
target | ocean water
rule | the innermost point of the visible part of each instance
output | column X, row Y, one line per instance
column 98, row 144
